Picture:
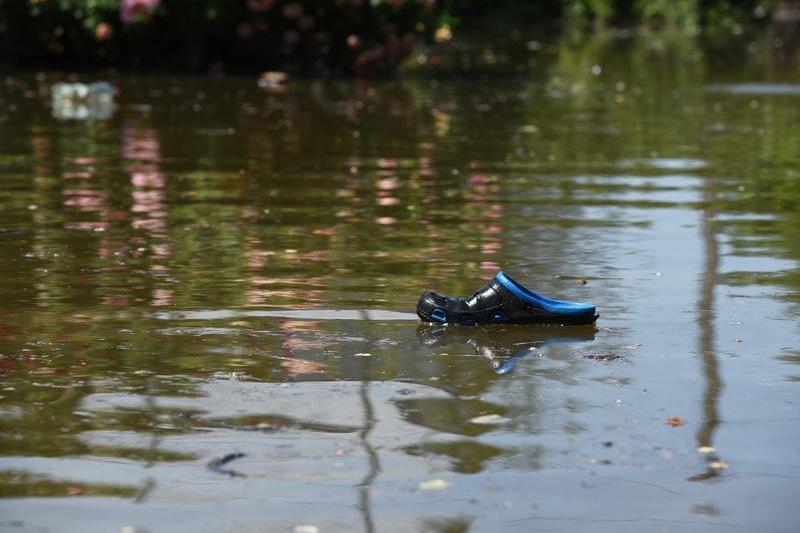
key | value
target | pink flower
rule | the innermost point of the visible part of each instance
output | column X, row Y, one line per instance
column 103, row 31
column 353, row 41
column 131, row 11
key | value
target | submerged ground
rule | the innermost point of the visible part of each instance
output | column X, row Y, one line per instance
column 206, row 311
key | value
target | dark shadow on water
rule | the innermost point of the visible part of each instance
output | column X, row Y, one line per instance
column 501, row 347
column 372, row 454
column 465, row 456
column 707, row 344
column 446, row 525
column 455, row 416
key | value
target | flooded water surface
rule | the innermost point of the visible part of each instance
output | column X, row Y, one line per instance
column 207, row 304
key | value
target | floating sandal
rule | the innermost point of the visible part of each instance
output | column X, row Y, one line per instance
column 503, row 301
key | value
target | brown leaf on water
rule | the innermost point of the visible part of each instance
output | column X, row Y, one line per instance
column 675, row 421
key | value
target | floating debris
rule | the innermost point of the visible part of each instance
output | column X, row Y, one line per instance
column 489, row 420
column 434, row 484
column 718, row 465
column 675, row 421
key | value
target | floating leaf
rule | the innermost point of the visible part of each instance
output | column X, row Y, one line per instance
column 675, row 421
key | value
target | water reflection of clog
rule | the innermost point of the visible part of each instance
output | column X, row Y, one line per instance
column 503, row 301
column 501, row 348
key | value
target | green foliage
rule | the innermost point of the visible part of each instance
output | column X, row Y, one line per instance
column 684, row 15
column 681, row 14
column 730, row 15
column 601, row 11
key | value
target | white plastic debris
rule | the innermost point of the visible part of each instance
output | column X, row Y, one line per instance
column 306, row 528
column 489, row 420
column 433, row 484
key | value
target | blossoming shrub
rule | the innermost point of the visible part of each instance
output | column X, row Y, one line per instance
column 363, row 37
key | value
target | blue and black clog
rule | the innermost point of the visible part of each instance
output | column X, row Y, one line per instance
column 503, row 301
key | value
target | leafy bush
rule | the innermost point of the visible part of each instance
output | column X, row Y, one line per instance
column 325, row 36
column 356, row 37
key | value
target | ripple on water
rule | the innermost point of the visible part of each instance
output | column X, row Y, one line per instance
column 756, row 89
column 299, row 314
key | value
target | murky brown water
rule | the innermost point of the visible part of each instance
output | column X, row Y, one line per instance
column 206, row 314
